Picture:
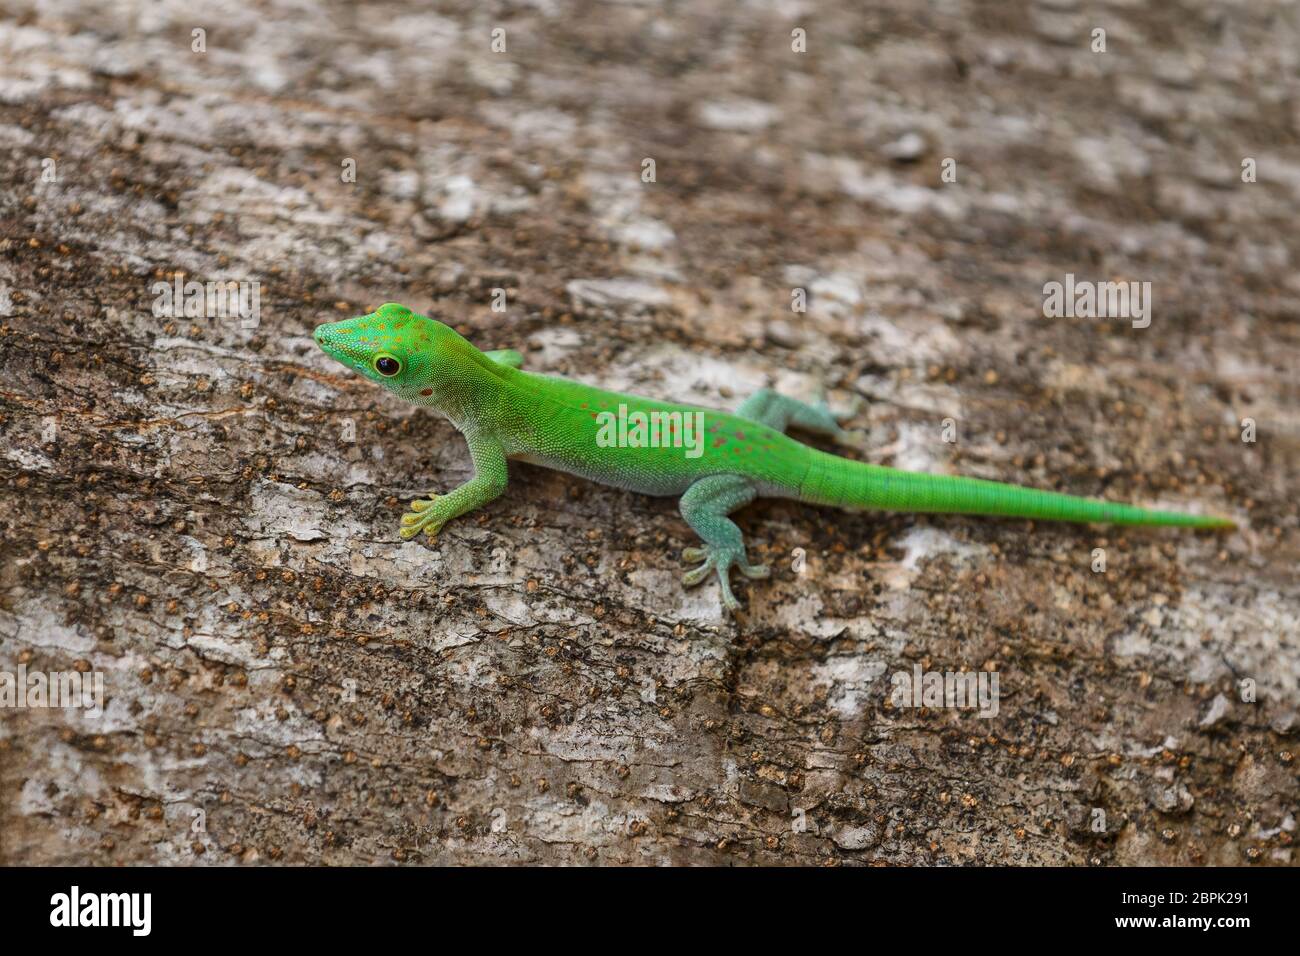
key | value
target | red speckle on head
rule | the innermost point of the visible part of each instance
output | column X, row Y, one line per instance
column 719, row 441
column 426, row 392
column 583, row 405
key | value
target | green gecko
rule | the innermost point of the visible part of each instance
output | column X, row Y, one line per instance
column 715, row 461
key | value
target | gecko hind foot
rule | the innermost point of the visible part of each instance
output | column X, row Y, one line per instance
column 854, row 438
column 840, row 415
column 849, row 437
column 721, row 560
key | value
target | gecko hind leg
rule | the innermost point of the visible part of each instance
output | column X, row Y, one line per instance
column 506, row 357
column 705, row 506
column 779, row 411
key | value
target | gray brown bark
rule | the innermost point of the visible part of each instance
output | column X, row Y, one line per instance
column 183, row 511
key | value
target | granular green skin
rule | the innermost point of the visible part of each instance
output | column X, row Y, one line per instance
column 505, row 412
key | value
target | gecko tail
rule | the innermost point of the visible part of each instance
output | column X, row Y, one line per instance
column 845, row 483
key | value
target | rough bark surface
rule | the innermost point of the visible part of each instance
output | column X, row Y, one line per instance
column 207, row 513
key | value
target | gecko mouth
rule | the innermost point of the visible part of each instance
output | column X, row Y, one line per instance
column 334, row 343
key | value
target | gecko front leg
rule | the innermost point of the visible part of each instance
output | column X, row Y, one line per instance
column 489, row 481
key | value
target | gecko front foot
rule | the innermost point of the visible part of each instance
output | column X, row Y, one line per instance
column 424, row 516
column 721, row 560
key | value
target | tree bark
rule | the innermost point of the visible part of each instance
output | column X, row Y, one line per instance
column 204, row 510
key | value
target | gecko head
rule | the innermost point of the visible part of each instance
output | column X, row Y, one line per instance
column 393, row 346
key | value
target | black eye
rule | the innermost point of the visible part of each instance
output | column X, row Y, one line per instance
column 387, row 365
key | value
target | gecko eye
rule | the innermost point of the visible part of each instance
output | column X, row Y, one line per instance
column 387, row 366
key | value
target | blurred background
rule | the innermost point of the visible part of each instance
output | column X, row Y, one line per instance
column 691, row 200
